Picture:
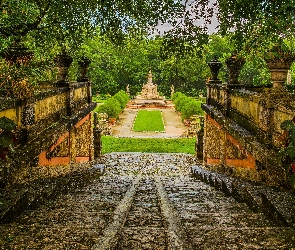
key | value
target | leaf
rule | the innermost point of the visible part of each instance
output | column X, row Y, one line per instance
column 5, row 139
column 292, row 135
column 290, row 150
column 287, row 125
column 7, row 124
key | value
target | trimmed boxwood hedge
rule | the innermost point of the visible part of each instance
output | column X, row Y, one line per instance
column 187, row 106
column 114, row 105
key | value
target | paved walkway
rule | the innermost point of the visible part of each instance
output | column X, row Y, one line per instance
column 145, row 201
column 174, row 127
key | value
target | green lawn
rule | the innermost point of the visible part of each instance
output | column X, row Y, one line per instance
column 148, row 120
column 149, row 145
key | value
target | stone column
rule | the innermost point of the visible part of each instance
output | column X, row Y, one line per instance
column 200, row 140
column 214, row 66
column 97, row 142
column 91, row 144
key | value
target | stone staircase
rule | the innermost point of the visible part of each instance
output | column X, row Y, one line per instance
column 147, row 201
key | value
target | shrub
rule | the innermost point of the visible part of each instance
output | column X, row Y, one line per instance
column 114, row 105
column 192, row 107
column 122, row 97
column 186, row 105
column 175, row 96
column 111, row 107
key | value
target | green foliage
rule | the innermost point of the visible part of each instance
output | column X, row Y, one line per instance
column 6, row 135
column 122, row 97
column 192, row 107
column 111, row 107
column 289, row 150
column 114, row 105
column 7, row 124
column 149, row 120
column 186, row 105
column 151, row 145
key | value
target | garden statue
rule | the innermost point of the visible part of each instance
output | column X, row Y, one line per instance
column 128, row 90
column 172, row 90
column 149, row 90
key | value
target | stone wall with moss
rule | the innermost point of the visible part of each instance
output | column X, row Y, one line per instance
column 49, row 125
column 242, row 131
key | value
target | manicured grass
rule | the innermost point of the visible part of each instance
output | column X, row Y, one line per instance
column 149, row 145
column 148, row 120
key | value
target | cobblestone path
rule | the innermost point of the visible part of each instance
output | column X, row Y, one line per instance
column 145, row 201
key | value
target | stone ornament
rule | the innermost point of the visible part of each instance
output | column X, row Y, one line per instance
column 149, row 90
column 83, row 63
column 214, row 66
column 234, row 65
column 279, row 68
column 63, row 61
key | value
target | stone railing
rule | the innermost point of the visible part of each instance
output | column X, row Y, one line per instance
column 54, row 127
column 242, row 130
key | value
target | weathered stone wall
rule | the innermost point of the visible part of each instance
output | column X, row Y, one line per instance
column 242, row 131
column 54, row 128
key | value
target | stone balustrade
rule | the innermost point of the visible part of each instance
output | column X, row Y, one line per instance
column 242, row 134
column 54, row 127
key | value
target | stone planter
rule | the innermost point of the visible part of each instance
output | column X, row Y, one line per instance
column 63, row 61
column 234, row 65
column 278, row 68
column 83, row 66
column 214, row 66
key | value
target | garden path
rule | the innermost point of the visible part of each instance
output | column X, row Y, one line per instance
column 174, row 127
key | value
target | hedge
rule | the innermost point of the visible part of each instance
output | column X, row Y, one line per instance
column 114, row 105
column 187, row 106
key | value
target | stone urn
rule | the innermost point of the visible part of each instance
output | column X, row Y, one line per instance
column 234, row 65
column 278, row 68
column 83, row 66
column 63, row 61
column 214, row 66
column 17, row 55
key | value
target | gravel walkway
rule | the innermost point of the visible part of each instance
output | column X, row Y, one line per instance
column 145, row 201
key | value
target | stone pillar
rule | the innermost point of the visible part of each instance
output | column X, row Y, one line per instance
column 97, row 137
column 69, row 101
column 214, row 66
column 97, row 142
column 200, row 140
column 91, row 144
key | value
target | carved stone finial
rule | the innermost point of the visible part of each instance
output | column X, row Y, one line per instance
column 234, row 65
column 214, row 66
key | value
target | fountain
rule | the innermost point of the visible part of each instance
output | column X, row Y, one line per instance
column 149, row 90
